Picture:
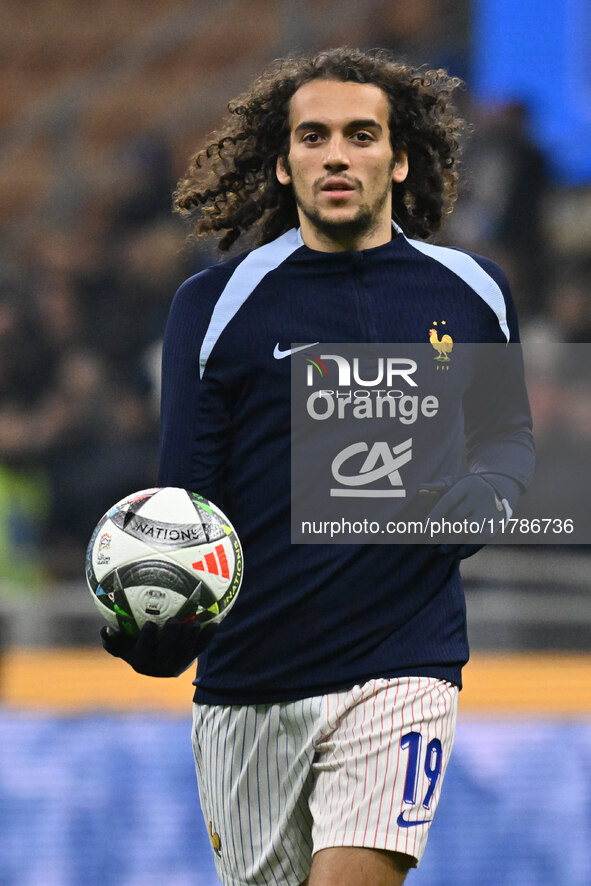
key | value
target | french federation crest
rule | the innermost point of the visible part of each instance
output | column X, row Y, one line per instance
column 443, row 345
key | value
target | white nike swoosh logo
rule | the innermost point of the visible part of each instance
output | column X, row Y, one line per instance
column 279, row 355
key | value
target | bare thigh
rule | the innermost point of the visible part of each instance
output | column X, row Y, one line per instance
column 355, row 866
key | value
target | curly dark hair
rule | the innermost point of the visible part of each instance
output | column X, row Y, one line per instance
column 231, row 185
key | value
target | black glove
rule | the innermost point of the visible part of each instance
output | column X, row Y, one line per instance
column 159, row 653
column 470, row 498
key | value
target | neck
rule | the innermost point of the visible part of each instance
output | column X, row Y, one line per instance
column 344, row 238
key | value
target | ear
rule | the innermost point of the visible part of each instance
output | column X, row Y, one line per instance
column 283, row 176
column 400, row 169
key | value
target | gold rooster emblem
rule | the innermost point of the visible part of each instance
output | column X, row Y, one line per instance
column 443, row 345
column 215, row 840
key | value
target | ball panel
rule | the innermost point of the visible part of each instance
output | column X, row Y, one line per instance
column 168, row 504
column 160, row 533
column 107, row 612
column 219, row 566
column 151, row 603
column 159, row 573
column 113, row 548
column 136, row 497
column 91, row 576
column 214, row 563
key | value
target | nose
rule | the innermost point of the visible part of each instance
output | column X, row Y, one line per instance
column 336, row 154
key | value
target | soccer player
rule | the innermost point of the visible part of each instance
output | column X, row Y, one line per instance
column 325, row 703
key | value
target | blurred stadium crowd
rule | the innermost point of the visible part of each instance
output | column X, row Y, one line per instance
column 103, row 104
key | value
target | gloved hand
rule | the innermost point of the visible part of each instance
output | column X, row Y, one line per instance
column 470, row 498
column 159, row 653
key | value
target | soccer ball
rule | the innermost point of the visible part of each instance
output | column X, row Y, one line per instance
column 160, row 553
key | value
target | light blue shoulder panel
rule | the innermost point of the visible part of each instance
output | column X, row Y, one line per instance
column 468, row 269
column 243, row 281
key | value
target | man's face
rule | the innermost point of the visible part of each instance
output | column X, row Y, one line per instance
column 341, row 165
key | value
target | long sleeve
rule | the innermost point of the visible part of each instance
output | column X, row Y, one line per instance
column 499, row 439
column 195, row 412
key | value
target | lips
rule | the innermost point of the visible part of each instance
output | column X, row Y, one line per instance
column 337, row 184
column 336, row 190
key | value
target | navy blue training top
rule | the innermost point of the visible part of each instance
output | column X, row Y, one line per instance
column 316, row 618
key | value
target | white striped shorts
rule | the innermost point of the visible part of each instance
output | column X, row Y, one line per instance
column 361, row 767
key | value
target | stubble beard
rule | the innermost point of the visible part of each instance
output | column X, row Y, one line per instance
column 360, row 225
column 346, row 229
